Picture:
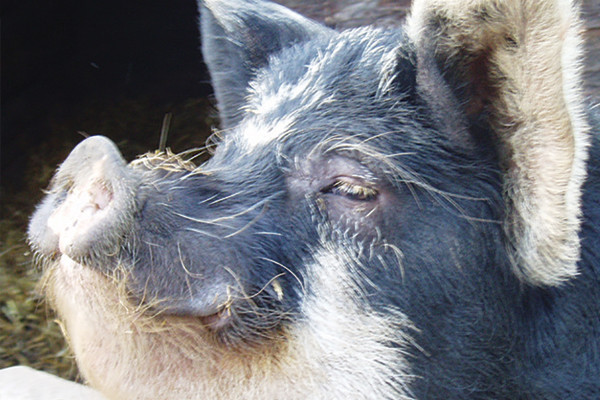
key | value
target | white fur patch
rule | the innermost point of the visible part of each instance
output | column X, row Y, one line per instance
column 254, row 133
column 349, row 340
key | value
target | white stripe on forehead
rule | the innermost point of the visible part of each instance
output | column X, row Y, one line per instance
column 254, row 132
column 264, row 125
column 266, row 122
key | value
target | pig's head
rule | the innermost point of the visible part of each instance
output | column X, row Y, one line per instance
column 356, row 193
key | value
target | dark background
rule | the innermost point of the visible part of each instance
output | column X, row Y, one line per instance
column 96, row 67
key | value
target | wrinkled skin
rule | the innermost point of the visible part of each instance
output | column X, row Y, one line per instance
column 348, row 238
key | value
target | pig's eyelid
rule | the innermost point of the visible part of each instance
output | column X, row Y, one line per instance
column 348, row 188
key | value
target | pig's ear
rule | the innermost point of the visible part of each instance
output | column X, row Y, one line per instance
column 238, row 37
column 514, row 65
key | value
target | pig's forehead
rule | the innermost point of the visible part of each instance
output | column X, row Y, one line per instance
column 316, row 83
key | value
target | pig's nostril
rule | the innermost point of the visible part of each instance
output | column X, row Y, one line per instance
column 101, row 196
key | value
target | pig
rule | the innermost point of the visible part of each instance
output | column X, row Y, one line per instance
column 405, row 213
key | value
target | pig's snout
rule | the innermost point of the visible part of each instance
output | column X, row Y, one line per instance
column 90, row 205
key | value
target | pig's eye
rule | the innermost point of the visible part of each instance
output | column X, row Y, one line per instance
column 347, row 187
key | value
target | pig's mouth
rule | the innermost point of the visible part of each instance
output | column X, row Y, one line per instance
column 217, row 321
column 217, row 314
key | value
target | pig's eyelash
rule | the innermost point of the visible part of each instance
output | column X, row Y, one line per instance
column 348, row 188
